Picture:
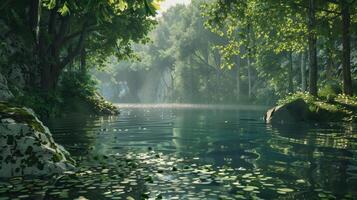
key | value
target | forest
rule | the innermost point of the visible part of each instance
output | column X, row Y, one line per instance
column 257, row 54
column 178, row 99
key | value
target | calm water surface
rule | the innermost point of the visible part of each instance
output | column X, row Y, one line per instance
column 302, row 161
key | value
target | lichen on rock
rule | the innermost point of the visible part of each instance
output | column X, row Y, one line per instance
column 27, row 147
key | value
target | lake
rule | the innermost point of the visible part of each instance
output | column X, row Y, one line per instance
column 203, row 152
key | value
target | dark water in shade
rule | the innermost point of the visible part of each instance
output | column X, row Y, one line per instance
column 317, row 161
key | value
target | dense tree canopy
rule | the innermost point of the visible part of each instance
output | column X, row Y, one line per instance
column 58, row 33
column 207, row 52
column 257, row 29
column 229, row 51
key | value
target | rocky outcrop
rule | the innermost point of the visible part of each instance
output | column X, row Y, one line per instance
column 295, row 111
column 5, row 93
column 27, row 147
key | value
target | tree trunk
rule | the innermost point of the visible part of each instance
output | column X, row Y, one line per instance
column 249, row 78
column 51, row 65
column 330, row 68
column 312, row 49
column 83, row 67
column 239, row 62
column 290, row 73
column 35, row 17
column 346, row 48
column 303, row 72
column 49, row 77
column 330, row 65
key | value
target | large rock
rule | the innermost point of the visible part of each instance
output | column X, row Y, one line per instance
column 295, row 111
column 27, row 147
column 5, row 93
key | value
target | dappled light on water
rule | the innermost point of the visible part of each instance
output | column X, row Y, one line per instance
column 209, row 152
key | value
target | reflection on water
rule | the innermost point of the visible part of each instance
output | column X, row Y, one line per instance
column 308, row 157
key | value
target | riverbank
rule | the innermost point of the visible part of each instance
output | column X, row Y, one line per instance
column 77, row 93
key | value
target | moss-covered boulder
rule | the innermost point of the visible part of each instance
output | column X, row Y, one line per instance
column 302, row 107
column 93, row 104
column 295, row 111
column 27, row 147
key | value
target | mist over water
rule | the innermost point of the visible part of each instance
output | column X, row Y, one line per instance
column 191, row 106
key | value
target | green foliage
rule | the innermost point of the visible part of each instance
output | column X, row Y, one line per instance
column 308, row 98
column 76, row 88
column 64, row 35
column 181, row 48
column 79, row 91
column 329, row 92
column 347, row 100
column 77, row 83
column 214, row 51
column 67, row 30
column 44, row 104
column 64, row 10
column 265, row 32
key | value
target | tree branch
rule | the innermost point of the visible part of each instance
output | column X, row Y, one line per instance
column 203, row 60
column 71, row 55
column 52, row 20
column 62, row 31
column 316, row 9
column 75, row 34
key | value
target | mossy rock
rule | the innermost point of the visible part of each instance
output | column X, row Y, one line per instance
column 20, row 115
column 27, row 147
column 294, row 111
column 92, row 104
column 302, row 107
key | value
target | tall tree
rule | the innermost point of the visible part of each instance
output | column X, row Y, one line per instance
column 58, row 31
column 346, row 47
column 312, row 38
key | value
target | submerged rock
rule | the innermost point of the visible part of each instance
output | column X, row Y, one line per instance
column 27, row 147
column 295, row 111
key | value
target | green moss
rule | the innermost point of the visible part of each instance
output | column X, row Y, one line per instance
column 57, row 157
column 20, row 115
column 100, row 105
column 90, row 104
column 339, row 108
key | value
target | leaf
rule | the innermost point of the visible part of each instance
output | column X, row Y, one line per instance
column 51, row 4
column 122, row 5
column 64, row 10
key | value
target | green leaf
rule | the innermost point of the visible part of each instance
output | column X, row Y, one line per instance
column 64, row 10
column 50, row 4
column 122, row 5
